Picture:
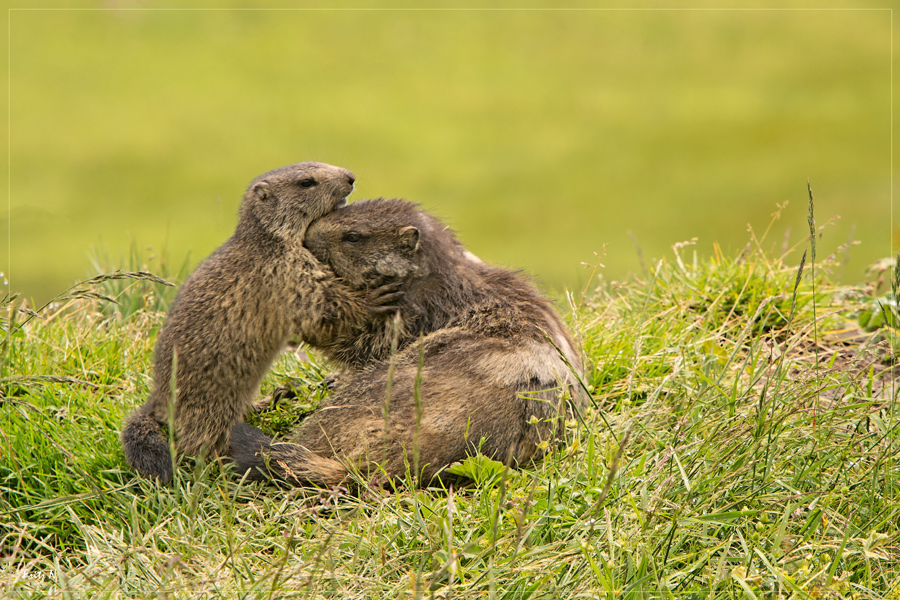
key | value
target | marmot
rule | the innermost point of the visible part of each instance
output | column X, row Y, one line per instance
column 375, row 239
column 238, row 309
column 485, row 376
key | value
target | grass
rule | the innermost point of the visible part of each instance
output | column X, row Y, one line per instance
column 729, row 453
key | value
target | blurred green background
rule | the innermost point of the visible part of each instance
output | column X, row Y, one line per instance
column 541, row 137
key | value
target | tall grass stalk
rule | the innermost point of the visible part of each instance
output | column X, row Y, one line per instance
column 811, row 220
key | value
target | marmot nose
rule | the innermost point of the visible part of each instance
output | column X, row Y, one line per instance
column 351, row 179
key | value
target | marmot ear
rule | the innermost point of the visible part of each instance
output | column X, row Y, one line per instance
column 409, row 237
column 260, row 190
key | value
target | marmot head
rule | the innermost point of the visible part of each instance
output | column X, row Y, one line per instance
column 371, row 241
column 285, row 201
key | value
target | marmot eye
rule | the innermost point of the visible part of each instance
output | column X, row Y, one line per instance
column 308, row 182
column 352, row 237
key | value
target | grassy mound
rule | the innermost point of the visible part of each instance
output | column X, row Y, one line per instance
column 742, row 443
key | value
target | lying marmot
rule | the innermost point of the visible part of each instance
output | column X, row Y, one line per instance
column 238, row 309
column 373, row 239
column 493, row 361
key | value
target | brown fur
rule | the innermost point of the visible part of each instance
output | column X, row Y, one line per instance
column 487, row 365
column 237, row 310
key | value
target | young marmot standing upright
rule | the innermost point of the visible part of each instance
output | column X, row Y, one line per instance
column 493, row 372
column 238, row 309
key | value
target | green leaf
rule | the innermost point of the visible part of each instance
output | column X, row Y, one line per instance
column 479, row 468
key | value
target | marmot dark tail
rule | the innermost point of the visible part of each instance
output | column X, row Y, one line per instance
column 145, row 447
column 262, row 458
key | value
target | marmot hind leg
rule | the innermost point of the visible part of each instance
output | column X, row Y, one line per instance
column 261, row 457
column 145, row 447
